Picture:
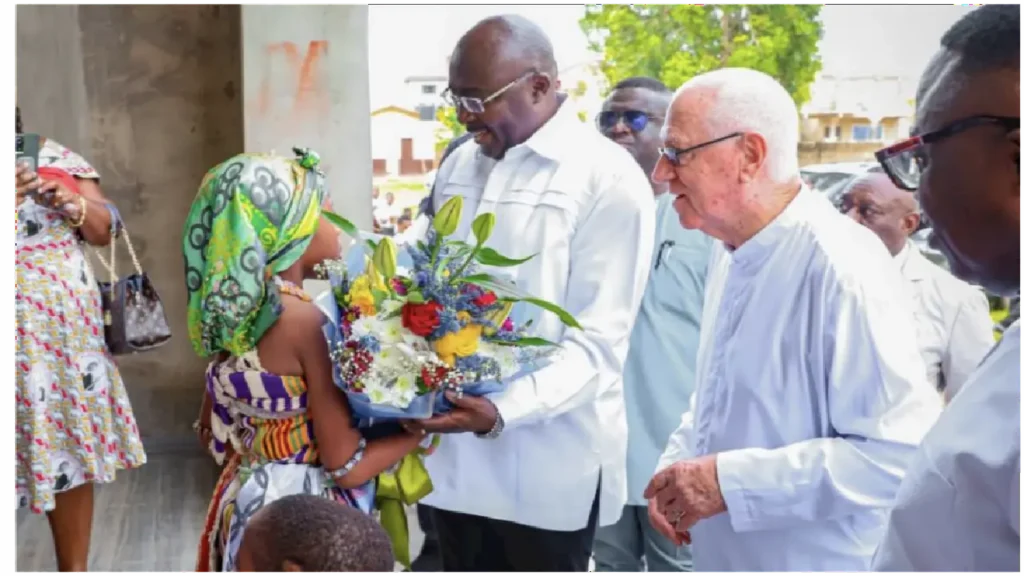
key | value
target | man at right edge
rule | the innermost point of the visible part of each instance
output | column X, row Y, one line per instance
column 958, row 508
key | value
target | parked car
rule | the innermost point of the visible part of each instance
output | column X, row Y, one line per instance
column 822, row 177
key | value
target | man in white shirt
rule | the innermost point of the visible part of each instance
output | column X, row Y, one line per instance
column 811, row 395
column 959, row 506
column 954, row 329
column 547, row 461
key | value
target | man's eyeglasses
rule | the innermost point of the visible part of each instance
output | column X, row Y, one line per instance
column 904, row 161
column 635, row 120
column 476, row 105
column 674, row 155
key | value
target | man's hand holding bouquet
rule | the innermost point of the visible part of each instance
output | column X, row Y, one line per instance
column 424, row 345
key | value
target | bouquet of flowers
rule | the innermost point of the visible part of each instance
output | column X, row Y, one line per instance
column 400, row 337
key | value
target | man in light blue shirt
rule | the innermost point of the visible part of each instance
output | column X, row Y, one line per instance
column 659, row 372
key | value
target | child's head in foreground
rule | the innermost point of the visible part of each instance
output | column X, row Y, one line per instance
column 304, row 533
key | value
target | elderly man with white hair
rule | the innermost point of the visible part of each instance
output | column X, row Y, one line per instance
column 811, row 395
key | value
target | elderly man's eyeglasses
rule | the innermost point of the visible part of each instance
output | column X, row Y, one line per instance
column 904, row 161
column 675, row 155
column 476, row 105
column 635, row 120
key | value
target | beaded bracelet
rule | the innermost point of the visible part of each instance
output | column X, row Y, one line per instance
column 338, row 473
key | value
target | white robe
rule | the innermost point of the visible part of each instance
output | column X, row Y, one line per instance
column 810, row 389
column 959, row 507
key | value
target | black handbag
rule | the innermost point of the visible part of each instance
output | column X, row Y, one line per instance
column 133, row 315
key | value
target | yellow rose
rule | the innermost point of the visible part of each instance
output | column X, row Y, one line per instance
column 363, row 301
column 462, row 343
column 360, row 283
column 360, row 296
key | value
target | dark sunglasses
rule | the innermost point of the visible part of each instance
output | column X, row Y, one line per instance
column 904, row 161
column 673, row 155
column 635, row 120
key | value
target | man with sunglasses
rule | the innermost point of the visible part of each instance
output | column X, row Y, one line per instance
column 811, row 396
column 545, row 463
column 959, row 506
column 632, row 116
column 954, row 329
column 659, row 370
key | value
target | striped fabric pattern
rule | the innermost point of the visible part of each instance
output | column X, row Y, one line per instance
column 266, row 412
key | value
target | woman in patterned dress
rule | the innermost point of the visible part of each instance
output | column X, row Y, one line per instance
column 74, row 425
column 271, row 411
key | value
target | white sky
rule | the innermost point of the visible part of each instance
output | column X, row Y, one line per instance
column 415, row 40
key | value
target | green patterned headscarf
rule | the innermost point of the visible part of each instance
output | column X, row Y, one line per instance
column 253, row 217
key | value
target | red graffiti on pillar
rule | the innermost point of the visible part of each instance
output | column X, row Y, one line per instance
column 305, row 74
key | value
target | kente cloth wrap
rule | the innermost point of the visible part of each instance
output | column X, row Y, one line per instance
column 264, row 418
column 253, row 217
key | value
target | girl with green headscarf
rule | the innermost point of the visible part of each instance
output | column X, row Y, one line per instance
column 271, row 413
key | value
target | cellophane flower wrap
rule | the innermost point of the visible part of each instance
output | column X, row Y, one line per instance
column 400, row 336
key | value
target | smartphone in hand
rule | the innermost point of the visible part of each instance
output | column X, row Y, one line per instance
column 26, row 150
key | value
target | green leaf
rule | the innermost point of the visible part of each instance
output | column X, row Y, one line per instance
column 415, row 296
column 564, row 316
column 507, row 291
column 378, row 297
column 472, row 278
column 491, row 257
column 526, row 341
column 346, row 226
column 503, row 289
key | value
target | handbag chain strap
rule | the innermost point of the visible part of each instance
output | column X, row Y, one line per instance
column 111, row 266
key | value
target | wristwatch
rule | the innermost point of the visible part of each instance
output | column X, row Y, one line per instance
column 495, row 431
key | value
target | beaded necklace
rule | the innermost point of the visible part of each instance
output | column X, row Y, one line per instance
column 292, row 289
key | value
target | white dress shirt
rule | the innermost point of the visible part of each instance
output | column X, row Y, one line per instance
column 959, row 507
column 810, row 389
column 584, row 207
column 954, row 329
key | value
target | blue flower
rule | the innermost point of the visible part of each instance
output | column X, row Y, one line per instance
column 449, row 322
column 484, row 366
column 370, row 344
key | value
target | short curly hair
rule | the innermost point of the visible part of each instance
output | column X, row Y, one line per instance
column 317, row 535
column 987, row 38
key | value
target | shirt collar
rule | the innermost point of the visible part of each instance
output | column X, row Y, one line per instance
column 549, row 140
column 903, row 256
column 761, row 244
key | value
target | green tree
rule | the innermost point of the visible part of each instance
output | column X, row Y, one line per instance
column 450, row 127
column 677, row 42
column 577, row 93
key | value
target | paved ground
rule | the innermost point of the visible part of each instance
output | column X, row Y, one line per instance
column 148, row 520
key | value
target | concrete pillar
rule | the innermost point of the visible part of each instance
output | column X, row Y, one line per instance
column 306, row 83
column 154, row 96
column 150, row 95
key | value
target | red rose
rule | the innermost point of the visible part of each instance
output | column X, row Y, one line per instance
column 486, row 299
column 421, row 319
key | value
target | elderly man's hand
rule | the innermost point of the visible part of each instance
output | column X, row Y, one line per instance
column 682, row 494
column 662, row 525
